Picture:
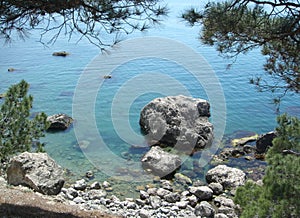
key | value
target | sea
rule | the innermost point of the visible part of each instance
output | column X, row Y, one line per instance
column 168, row 59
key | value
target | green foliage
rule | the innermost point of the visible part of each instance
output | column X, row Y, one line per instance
column 239, row 26
column 17, row 132
column 93, row 20
column 279, row 195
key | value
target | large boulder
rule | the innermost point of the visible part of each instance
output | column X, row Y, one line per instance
column 177, row 120
column 59, row 121
column 37, row 171
column 265, row 141
column 161, row 163
column 228, row 177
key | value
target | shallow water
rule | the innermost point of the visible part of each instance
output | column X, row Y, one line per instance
column 53, row 82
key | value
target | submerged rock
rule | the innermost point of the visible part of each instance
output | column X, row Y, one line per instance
column 59, row 121
column 37, row 171
column 244, row 140
column 177, row 121
column 61, row 53
column 160, row 163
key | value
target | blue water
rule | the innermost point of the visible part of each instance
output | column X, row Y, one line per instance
column 53, row 81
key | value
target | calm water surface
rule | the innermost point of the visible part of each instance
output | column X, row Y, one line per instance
column 53, row 81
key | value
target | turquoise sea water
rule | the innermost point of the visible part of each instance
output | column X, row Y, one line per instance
column 53, row 82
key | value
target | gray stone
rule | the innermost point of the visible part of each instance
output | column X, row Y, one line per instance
column 216, row 187
column 152, row 191
column 177, row 120
column 183, row 179
column 97, row 194
column 223, row 201
column 166, row 184
column 201, row 192
column 131, row 205
column 37, row 171
column 172, row 197
column 95, row 185
column 205, row 209
column 220, row 215
column 162, row 192
column 228, row 177
column 144, row 213
column 193, row 200
column 182, row 204
column 140, row 202
column 161, row 163
column 59, row 121
column 89, row 174
column 144, row 195
column 80, row 185
column 155, row 202
column 72, row 192
column 230, row 212
column 106, row 184
column 264, row 142
column 78, row 200
column 164, row 210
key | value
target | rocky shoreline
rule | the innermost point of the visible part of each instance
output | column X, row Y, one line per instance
column 199, row 199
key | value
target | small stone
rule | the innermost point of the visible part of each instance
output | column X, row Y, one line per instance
column 144, row 195
column 109, row 189
column 97, row 194
column 172, row 197
column 11, row 69
column 182, row 204
column 140, row 202
column 78, row 200
column 105, row 184
column 193, row 200
column 220, row 215
column 249, row 158
column 166, row 185
column 185, row 193
column 227, row 211
column 72, row 192
column 144, row 213
column 223, row 201
column 89, row 174
column 205, row 209
column 183, row 179
column 95, row 185
column 175, row 207
column 164, row 210
column 216, row 187
column 152, row 191
column 80, row 185
column 155, row 202
column 131, row 205
column 61, row 53
column 198, row 183
column 162, row 192
column 202, row 192
column 107, row 77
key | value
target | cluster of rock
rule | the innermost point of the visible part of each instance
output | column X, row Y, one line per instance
column 164, row 201
column 243, row 147
column 178, row 121
column 39, row 172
